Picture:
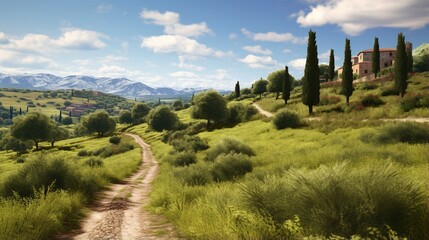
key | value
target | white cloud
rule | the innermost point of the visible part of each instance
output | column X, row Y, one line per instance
column 112, row 58
column 170, row 21
column 176, row 43
column 287, row 50
column 82, row 62
column 325, row 55
column 298, row 64
column 355, row 16
column 163, row 19
column 183, row 64
column 257, row 49
column 223, row 54
column 274, row 37
column 6, row 55
column 38, row 60
column 259, row 61
column 104, row 8
column 80, row 39
column 71, row 39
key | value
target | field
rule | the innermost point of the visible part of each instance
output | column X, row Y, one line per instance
column 308, row 181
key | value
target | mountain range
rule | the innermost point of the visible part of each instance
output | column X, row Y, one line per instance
column 119, row 86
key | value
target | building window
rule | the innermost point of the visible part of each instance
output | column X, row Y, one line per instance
column 385, row 64
column 366, row 71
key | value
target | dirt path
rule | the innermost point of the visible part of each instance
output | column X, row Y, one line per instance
column 262, row 111
column 120, row 213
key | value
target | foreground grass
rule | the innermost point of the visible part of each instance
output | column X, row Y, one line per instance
column 228, row 210
column 58, row 205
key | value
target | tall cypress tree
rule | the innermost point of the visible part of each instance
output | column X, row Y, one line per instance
column 401, row 66
column 331, row 73
column 237, row 89
column 310, row 81
column 60, row 118
column 410, row 59
column 376, row 58
column 20, row 111
column 347, row 82
column 11, row 112
column 287, row 85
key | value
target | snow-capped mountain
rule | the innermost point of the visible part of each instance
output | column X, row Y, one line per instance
column 118, row 86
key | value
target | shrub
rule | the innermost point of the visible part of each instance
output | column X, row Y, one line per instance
column 229, row 145
column 371, row 100
column 229, row 166
column 411, row 101
column 407, row 132
column 327, row 100
column 83, row 153
column 236, row 113
column 285, row 119
column 367, row 86
column 162, row 118
column 93, row 162
column 190, row 143
column 183, row 159
column 389, row 91
column 115, row 140
column 342, row 200
column 193, row 175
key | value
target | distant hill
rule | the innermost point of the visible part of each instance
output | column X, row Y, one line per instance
column 421, row 50
column 421, row 58
column 118, row 86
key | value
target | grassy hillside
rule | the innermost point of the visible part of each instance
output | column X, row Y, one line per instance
column 356, row 177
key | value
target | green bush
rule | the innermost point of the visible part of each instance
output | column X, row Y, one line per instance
column 285, row 119
column 183, row 159
column 115, row 140
column 389, row 91
column 193, row 175
column 367, row 86
column 411, row 101
column 93, row 162
column 343, row 200
column 162, row 118
column 83, row 153
column 189, row 143
column 406, row 132
column 226, row 146
column 327, row 100
column 230, row 166
column 371, row 100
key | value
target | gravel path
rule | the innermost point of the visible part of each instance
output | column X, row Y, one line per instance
column 120, row 212
column 262, row 111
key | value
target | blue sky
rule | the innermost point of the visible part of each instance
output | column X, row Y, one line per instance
column 195, row 43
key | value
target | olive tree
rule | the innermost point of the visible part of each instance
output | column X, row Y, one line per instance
column 99, row 122
column 33, row 126
column 210, row 105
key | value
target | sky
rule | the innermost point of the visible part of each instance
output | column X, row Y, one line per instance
column 195, row 43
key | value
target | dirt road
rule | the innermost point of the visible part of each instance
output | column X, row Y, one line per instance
column 262, row 111
column 120, row 212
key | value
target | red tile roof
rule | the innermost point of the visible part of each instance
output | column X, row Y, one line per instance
column 381, row 50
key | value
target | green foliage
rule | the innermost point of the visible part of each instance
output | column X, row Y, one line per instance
column 9, row 142
column 67, row 121
column 367, row 86
column 410, row 59
column 67, row 103
column 115, row 140
column 328, row 99
column 401, row 71
column 162, row 118
column 389, row 91
column 412, row 101
column 227, row 146
column 275, row 82
column 210, row 105
column 260, row 87
column 57, row 134
column 83, row 153
column 287, row 85
column 347, row 81
column 237, row 89
column 405, row 132
column 371, row 100
column 93, row 162
column 341, row 200
column 189, row 143
column 99, row 122
column 230, row 166
column 310, row 81
column 193, row 175
column 33, row 126
column 139, row 111
column 125, row 117
column 286, row 119
column 331, row 73
column 182, row 159
column 177, row 105
column 375, row 63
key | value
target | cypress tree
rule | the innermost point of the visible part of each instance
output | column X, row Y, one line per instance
column 27, row 109
column 11, row 112
column 331, row 72
column 20, row 111
column 376, row 58
column 237, row 89
column 287, row 86
column 60, row 118
column 410, row 59
column 401, row 66
column 310, row 81
column 347, row 82
column 70, row 113
column 72, row 93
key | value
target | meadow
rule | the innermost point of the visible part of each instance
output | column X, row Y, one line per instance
column 358, row 177
column 44, row 193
